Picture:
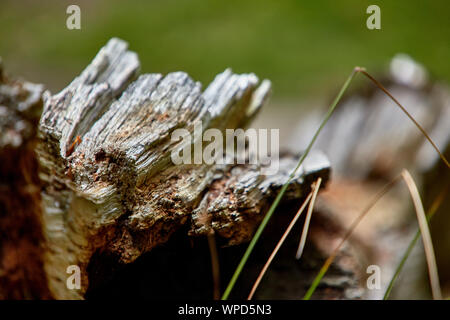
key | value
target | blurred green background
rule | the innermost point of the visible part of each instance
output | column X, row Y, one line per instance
column 307, row 48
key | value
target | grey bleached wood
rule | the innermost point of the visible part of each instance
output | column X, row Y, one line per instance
column 118, row 190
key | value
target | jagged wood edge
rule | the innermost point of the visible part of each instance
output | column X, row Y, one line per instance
column 118, row 191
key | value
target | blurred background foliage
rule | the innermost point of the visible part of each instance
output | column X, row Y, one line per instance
column 307, row 48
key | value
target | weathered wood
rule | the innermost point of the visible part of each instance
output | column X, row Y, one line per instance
column 22, row 274
column 118, row 191
column 110, row 188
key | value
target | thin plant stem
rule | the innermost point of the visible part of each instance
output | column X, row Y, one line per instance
column 214, row 265
column 277, row 247
column 301, row 245
column 312, row 196
column 353, row 226
column 436, row 204
column 278, row 198
column 284, row 188
column 382, row 88
column 426, row 236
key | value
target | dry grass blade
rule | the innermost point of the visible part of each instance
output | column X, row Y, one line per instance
column 434, row 207
column 278, row 198
column 283, row 189
column 274, row 252
column 382, row 88
column 426, row 237
column 214, row 265
column 302, row 242
column 347, row 235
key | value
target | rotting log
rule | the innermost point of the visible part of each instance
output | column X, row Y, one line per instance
column 109, row 184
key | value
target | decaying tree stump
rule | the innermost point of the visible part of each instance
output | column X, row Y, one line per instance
column 108, row 194
column 109, row 182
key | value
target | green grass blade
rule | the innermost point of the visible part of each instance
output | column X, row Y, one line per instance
column 317, row 280
column 347, row 235
column 279, row 244
column 401, row 264
column 436, row 203
column 284, row 188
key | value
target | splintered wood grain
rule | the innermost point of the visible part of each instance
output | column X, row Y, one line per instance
column 110, row 184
